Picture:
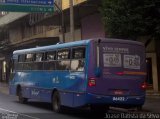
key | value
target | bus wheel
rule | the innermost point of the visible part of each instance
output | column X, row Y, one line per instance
column 21, row 99
column 56, row 102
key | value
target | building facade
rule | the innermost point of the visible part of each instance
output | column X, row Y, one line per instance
column 26, row 30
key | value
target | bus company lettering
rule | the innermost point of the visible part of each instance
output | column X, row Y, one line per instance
column 34, row 92
column 56, row 80
column 115, row 50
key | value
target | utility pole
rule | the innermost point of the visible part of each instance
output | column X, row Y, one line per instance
column 72, row 36
column 62, row 22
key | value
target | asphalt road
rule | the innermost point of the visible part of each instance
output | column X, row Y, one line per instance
column 10, row 108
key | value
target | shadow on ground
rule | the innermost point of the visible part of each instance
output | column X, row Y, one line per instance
column 69, row 112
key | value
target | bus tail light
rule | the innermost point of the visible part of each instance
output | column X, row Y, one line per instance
column 144, row 85
column 120, row 73
column 91, row 82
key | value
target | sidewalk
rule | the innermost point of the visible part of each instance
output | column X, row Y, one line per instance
column 4, row 88
column 152, row 94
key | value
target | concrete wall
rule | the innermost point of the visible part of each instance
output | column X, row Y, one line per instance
column 15, row 35
column 151, row 53
column 53, row 33
column 65, row 3
column 154, row 69
column 77, row 36
column 151, row 46
column 92, row 27
column 10, row 17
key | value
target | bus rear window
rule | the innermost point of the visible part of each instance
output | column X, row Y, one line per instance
column 119, row 57
column 112, row 60
column 120, row 60
column 132, row 61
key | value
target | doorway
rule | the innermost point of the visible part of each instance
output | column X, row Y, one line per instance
column 149, row 78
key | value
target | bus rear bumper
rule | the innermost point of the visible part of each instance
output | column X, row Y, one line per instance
column 126, row 101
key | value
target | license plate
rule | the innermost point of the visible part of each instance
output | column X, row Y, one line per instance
column 119, row 99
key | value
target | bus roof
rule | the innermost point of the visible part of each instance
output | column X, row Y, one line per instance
column 114, row 40
column 51, row 47
column 74, row 44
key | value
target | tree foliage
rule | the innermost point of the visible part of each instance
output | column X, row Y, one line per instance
column 131, row 18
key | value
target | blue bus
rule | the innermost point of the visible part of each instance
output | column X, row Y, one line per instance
column 97, row 73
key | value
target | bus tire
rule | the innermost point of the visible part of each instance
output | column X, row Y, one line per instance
column 21, row 99
column 56, row 102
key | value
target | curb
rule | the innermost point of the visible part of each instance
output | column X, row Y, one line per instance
column 4, row 88
column 152, row 97
column 5, row 92
column 152, row 94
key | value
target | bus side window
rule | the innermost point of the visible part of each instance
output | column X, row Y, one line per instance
column 28, row 64
column 29, row 58
column 38, row 64
column 78, row 59
column 21, row 58
column 50, row 62
column 38, row 57
column 19, row 64
column 63, row 57
column 50, row 56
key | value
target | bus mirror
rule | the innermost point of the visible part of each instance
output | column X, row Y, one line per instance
column 97, row 72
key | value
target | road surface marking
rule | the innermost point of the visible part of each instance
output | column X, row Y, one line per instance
column 19, row 113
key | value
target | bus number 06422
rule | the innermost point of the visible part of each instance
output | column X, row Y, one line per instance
column 119, row 99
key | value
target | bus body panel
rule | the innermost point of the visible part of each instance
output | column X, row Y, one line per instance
column 35, row 87
column 40, row 84
column 131, row 101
